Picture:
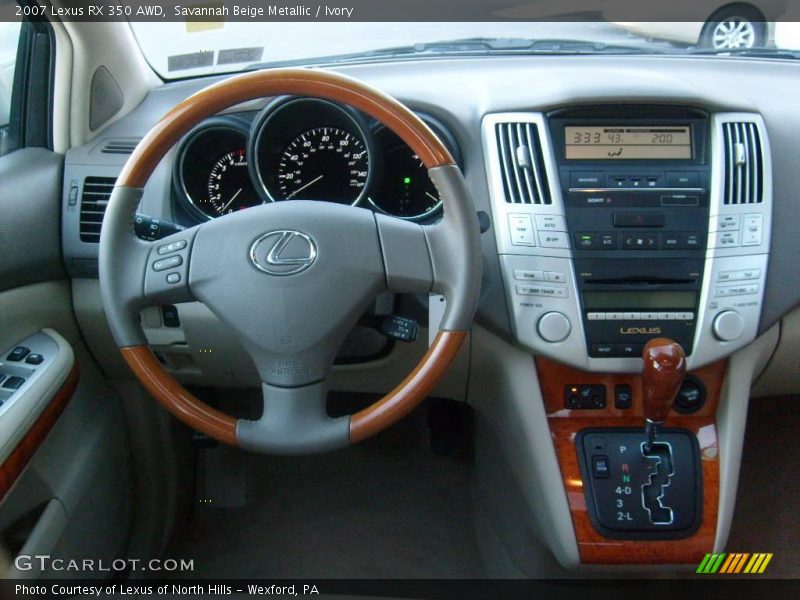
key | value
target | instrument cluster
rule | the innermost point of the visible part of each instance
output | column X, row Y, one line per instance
column 303, row 149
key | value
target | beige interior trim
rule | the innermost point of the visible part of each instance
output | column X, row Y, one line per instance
column 126, row 64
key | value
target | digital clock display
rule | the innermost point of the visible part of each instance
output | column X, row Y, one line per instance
column 628, row 142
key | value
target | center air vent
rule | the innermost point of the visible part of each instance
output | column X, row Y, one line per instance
column 744, row 164
column 96, row 192
column 119, row 146
column 524, row 178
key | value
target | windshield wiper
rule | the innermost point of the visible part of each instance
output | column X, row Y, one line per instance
column 779, row 53
column 468, row 47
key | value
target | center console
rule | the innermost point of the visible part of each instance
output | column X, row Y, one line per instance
column 617, row 225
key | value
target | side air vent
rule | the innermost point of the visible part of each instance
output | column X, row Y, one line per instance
column 119, row 146
column 96, row 192
column 744, row 164
column 524, row 178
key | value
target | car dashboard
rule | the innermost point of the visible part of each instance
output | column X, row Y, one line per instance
column 623, row 198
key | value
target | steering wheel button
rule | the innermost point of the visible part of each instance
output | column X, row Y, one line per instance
column 173, row 278
column 167, row 263
column 172, row 247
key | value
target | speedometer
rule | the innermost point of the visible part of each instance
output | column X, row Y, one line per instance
column 324, row 163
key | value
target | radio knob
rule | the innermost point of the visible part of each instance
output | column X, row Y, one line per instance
column 553, row 327
column 728, row 325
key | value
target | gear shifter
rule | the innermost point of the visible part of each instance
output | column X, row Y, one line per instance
column 664, row 368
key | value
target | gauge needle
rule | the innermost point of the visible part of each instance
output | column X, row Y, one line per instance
column 432, row 197
column 300, row 189
column 231, row 200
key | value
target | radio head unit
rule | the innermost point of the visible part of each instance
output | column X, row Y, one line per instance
column 635, row 191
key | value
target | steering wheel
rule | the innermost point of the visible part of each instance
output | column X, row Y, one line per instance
column 291, row 279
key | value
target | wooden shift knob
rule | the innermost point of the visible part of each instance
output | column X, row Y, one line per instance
column 664, row 368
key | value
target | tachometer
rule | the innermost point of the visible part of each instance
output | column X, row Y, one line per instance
column 229, row 187
column 324, row 163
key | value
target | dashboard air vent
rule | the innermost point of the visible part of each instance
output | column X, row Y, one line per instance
column 744, row 164
column 524, row 178
column 119, row 146
column 96, row 192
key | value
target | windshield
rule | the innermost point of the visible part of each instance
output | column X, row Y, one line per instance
column 185, row 49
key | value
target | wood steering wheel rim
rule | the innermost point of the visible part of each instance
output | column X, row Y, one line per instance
column 230, row 92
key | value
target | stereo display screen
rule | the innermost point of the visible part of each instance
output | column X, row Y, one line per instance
column 628, row 142
column 640, row 300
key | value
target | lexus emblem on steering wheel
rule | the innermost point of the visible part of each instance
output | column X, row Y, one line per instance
column 283, row 252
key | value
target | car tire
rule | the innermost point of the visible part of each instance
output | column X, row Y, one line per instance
column 735, row 27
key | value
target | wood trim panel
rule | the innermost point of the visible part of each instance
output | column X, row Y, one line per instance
column 564, row 424
column 13, row 466
column 411, row 391
column 172, row 396
column 304, row 82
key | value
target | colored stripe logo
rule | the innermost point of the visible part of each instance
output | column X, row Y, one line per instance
column 734, row 563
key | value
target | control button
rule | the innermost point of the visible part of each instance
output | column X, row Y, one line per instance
column 649, row 316
column 681, row 179
column 34, row 359
column 603, row 350
column 551, row 223
column 748, row 274
column 13, row 383
column 587, row 179
column 726, row 239
column 639, row 219
column 623, row 396
column 666, row 316
column 553, row 327
column 684, row 316
column 601, row 469
column 670, row 241
column 534, row 290
column 615, row 316
column 653, row 181
column 172, row 247
column 555, row 276
column 167, row 263
column 736, row 290
column 728, row 223
column 554, row 239
column 751, row 232
column 617, row 181
column 728, row 326
column 742, row 275
column 691, row 241
column 521, row 229
column 169, row 314
column 639, row 241
column 691, row 396
column 632, row 316
column 586, row 240
column 629, row 350
column 526, row 275
column 173, row 278
column 596, row 316
column 17, row 354
column 608, row 241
